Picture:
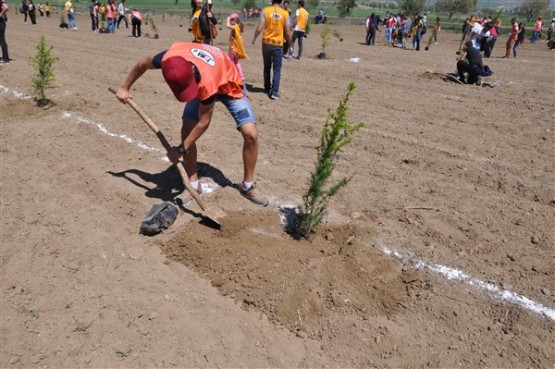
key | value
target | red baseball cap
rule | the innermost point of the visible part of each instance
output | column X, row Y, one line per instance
column 179, row 75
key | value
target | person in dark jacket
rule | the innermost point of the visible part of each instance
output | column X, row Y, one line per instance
column 3, row 20
column 470, row 63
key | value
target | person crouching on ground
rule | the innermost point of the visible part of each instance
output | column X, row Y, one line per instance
column 199, row 75
column 470, row 62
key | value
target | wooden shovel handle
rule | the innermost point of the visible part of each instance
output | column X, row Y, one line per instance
column 168, row 147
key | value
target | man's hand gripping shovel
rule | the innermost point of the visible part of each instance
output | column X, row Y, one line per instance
column 212, row 215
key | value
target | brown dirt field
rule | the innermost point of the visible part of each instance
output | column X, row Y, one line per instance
column 443, row 175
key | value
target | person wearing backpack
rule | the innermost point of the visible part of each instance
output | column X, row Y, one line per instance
column 24, row 9
column 416, row 31
column 203, row 23
column 31, row 10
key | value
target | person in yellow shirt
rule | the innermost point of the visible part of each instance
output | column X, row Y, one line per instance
column 236, row 50
column 202, row 22
column 47, row 9
column 301, row 20
column 274, row 22
column 71, row 23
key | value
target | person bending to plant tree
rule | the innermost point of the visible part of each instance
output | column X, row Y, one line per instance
column 136, row 19
column 200, row 75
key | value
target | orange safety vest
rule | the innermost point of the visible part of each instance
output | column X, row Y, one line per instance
column 135, row 14
column 275, row 19
column 302, row 20
column 218, row 73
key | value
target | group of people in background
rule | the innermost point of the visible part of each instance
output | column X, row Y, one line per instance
column 29, row 10
column 399, row 28
column 251, row 13
column 479, row 38
column 113, row 16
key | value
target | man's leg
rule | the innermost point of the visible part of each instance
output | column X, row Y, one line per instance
column 474, row 74
column 294, row 38
column 277, row 59
column 301, row 40
column 462, row 67
column 189, row 121
column 250, row 150
column 267, row 57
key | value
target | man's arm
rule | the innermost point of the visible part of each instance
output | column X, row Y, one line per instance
column 287, row 32
column 136, row 72
column 258, row 30
column 5, row 9
column 205, row 116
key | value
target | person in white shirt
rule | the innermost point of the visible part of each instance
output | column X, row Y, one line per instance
column 121, row 14
column 475, row 35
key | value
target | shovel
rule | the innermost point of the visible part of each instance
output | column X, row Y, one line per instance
column 211, row 214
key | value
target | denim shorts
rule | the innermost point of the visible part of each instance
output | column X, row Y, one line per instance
column 240, row 109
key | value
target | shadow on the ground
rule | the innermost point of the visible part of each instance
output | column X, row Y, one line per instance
column 168, row 184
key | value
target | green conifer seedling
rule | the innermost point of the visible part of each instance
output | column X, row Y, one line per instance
column 43, row 78
column 326, row 34
column 152, row 25
column 336, row 134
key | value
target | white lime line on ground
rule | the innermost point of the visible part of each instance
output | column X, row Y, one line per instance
column 206, row 187
column 103, row 129
column 20, row 95
column 492, row 290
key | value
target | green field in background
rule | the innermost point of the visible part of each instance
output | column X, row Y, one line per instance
column 224, row 6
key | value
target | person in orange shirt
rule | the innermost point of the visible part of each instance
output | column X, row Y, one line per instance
column 111, row 11
column 200, row 75
column 536, row 33
column 136, row 20
column 274, row 22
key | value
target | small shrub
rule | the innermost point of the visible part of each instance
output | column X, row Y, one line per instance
column 43, row 79
column 150, row 20
column 336, row 134
column 326, row 34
